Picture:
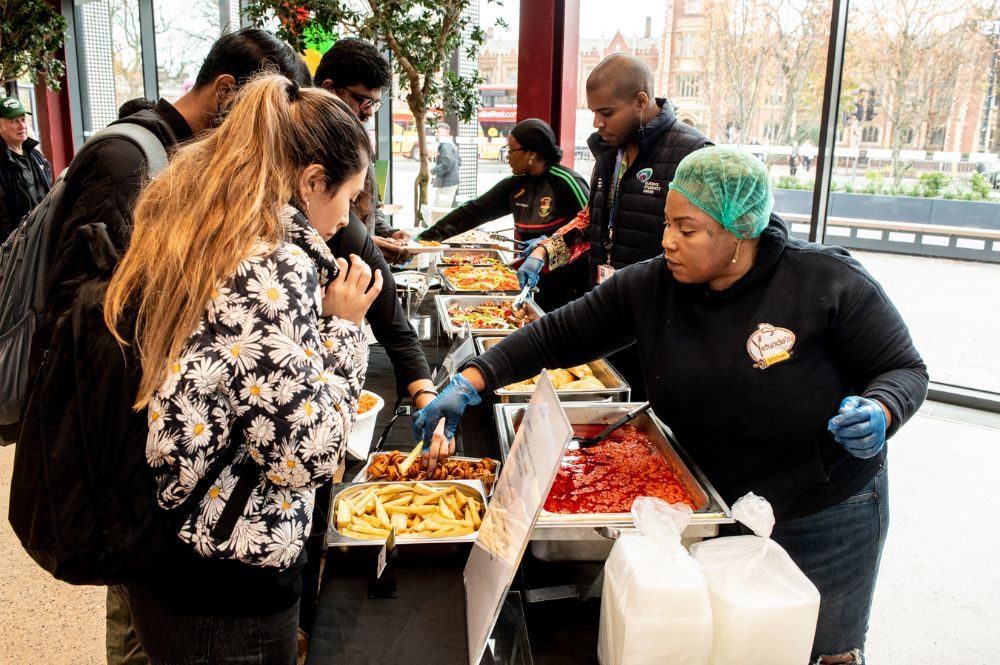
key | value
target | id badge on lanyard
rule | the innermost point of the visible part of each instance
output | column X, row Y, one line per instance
column 604, row 272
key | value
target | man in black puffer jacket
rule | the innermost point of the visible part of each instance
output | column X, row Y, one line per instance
column 637, row 146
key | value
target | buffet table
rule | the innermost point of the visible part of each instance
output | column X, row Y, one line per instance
column 551, row 615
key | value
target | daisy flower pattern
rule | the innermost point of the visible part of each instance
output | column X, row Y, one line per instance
column 264, row 371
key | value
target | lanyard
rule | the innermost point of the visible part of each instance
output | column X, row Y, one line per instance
column 615, row 201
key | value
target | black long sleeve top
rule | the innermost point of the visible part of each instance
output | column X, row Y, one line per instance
column 540, row 205
column 746, row 377
column 385, row 316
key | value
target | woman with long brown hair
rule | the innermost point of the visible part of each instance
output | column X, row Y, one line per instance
column 252, row 359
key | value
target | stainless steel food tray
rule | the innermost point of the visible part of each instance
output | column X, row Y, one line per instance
column 489, row 253
column 712, row 509
column 443, row 302
column 447, row 285
column 364, row 477
column 616, row 389
column 473, row 488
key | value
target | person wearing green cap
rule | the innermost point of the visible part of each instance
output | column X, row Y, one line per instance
column 780, row 365
column 25, row 174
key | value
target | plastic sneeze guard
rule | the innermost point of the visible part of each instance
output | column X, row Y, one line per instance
column 529, row 470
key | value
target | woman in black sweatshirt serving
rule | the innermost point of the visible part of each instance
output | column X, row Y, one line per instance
column 780, row 365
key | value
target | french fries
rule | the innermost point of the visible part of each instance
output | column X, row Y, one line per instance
column 416, row 510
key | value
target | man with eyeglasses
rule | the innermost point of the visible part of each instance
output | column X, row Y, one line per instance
column 355, row 71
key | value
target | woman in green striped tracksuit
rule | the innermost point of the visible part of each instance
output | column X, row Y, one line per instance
column 541, row 195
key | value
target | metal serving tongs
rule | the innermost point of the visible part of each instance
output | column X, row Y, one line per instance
column 522, row 297
column 594, row 440
column 502, row 238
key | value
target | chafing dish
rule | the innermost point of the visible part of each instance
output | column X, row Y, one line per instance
column 493, row 255
column 443, row 302
column 616, row 389
column 472, row 488
column 448, row 285
column 584, row 536
column 364, row 477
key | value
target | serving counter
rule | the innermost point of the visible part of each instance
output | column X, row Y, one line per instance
column 551, row 614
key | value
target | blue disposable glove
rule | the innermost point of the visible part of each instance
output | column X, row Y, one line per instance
column 859, row 426
column 529, row 272
column 450, row 405
column 530, row 245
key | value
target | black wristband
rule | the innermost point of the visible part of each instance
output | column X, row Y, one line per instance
column 422, row 391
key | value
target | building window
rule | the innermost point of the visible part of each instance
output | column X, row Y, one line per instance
column 906, row 136
column 685, row 45
column 693, row 7
column 936, row 139
column 869, row 134
column 688, row 85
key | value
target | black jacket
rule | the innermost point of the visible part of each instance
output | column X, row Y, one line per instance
column 102, row 185
column 539, row 204
column 663, row 143
column 748, row 428
column 385, row 316
column 15, row 200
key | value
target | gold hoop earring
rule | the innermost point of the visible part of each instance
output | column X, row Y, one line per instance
column 737, row 254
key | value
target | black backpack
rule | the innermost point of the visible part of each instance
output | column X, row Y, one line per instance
column 82, row 497
column 24, row 271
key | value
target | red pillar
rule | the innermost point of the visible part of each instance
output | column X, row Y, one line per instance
column 548, row 51
column 52, row 109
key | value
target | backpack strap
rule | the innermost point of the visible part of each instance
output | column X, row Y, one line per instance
column 148, row 142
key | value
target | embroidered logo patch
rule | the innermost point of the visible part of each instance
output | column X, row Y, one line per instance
column 544, row 205
column 770, row 345
column 644, row 174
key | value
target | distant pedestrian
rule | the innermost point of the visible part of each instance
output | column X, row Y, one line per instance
column 807, row 151
column 446, row 169
column 793, row 164
column 25, row 174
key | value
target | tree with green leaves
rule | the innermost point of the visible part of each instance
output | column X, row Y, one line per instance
column 31, row 31
column 421, row 36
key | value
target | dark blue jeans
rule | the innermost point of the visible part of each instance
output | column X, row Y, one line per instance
column 174, row 638
column 839, row 549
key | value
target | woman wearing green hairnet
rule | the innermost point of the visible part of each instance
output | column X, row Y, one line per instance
column 780, row 365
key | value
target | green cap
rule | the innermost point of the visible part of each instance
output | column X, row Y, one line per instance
column 730, row 185
column 11, row 107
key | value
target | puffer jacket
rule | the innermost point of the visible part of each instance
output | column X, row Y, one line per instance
column 264, row 370
column 663, row 143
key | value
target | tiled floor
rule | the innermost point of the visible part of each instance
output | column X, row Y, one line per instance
column 935, row 602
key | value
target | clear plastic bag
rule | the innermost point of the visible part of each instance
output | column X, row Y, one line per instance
column 764, row 608
column 655, row 606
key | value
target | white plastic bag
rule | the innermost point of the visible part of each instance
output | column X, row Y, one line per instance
column 763, row 607
column 655, row 606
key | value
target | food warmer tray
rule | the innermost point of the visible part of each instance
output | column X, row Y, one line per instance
column 363, row 476
column 489, row 253
column 443, row 302
column 449, row 286
column 585, row 536
column 334, row 538
column 616, row 389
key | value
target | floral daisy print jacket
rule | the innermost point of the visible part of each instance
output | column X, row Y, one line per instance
column 268, row 372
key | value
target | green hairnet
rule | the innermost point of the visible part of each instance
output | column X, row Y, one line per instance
column 731, row 186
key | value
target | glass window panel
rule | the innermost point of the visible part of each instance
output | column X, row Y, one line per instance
column 111, row 68
column 184, row 34
column 916, row 166
column 481, row 143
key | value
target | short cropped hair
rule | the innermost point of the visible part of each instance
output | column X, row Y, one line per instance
column 245, row 52
column 351, row 61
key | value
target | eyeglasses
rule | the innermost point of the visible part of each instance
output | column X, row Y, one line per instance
column 365, row 103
